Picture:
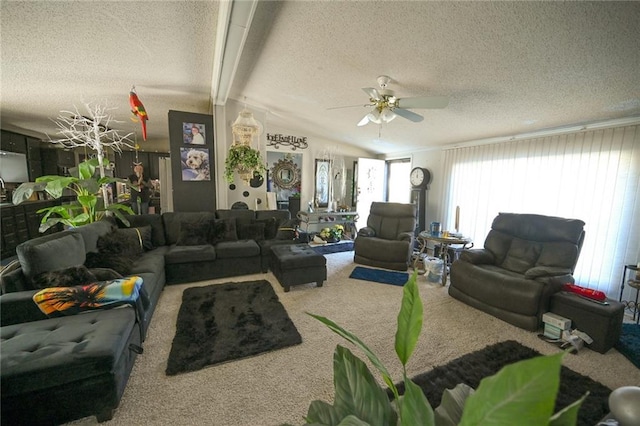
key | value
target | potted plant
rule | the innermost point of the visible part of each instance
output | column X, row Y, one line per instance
column 89, row 205
column 333, row 234
column 244, row 160
column 528, row 386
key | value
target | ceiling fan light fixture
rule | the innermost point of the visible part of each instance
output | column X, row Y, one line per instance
column 387, row 115
column 374, row 116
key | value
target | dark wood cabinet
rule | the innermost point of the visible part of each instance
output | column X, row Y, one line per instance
column 13, row 142
column 33, row 149
column 56, row 161
column 35, row 170
column 20, row 223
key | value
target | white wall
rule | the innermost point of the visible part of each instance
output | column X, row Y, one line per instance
column 224, row 118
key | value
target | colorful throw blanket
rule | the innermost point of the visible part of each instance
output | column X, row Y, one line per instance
column 104, row 294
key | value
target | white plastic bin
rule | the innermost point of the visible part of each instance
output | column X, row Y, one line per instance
column 434, row 268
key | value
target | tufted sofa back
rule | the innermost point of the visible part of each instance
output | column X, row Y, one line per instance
column 520, row 242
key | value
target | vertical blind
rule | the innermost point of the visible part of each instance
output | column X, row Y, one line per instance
column 591, row 175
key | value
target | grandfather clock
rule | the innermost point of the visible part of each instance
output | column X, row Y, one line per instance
column 420, row 179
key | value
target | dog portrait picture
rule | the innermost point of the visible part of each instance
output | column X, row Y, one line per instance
column 193, row 133
column 195, row 164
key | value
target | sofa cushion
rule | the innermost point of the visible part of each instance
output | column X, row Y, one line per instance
column 153, row 220
column 67, row 277
column 242, row 248
column 218, row 232
column 190, row 254
column 44, row 253
column 281, row 216
column 139, row 236
column 251, row 231
column 560, row 254
column 149, row 262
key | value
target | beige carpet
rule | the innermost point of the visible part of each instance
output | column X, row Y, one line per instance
column 277, row 387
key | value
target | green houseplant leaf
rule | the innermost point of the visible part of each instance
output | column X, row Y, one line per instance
column 409, row 320
column 356, row 390
column 361, row 345
column 568, row 416
column 245, row 157
column 321, row 412
column 89, row 204
column 525, row 390
column 449, row 412
column 414, row 407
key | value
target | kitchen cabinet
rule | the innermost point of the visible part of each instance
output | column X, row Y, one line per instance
column 13, row 142
column 20, row 223
column 33, row 149
column 57, row 161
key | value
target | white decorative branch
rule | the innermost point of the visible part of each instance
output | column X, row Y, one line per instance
column 92, row 131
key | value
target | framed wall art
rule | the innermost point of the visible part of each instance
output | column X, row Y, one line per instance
column 195, row 164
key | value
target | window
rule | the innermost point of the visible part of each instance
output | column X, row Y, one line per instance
column 593, row 176
column 398, row 186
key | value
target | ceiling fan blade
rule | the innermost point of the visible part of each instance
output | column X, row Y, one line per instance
column 409, row 115
column 364, row 121
column 350, row 106
column 424, row 102
column 373, row 93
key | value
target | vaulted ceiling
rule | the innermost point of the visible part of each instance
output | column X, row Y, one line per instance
column 507, row 67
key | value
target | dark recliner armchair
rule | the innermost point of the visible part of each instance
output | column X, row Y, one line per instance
column 387, row 240
column 525, row 260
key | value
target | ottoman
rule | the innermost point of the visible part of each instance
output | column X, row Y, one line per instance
column 603, row 323
column 297, row 264
column 66, row 368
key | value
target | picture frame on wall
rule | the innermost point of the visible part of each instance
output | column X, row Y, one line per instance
column 195, row 164
column 194, row 133
column 322, row 183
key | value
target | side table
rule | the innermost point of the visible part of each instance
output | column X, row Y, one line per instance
column 634, row 283
column 425, row 236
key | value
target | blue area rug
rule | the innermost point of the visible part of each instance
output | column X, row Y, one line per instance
column 334, row 248
column 379, row 276
column 629, row 343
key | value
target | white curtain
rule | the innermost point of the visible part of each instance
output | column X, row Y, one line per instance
column 591, row 175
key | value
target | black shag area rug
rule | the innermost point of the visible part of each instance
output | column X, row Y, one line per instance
column 475, row 366
column 225, row 322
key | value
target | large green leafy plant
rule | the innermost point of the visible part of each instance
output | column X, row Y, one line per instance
column 89, row 205
column 245, row 160
column 522, row 393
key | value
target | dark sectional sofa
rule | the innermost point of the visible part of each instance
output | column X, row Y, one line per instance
column 54, row 370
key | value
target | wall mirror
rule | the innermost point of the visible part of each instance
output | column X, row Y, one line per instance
column 322, row 183
column 286, row 174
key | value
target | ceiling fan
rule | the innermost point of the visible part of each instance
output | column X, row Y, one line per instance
column 386, row 106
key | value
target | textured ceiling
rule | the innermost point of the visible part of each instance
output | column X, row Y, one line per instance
column 507, row 67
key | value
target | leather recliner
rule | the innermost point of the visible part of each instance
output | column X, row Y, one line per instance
column 525, row 260
column 387, row 240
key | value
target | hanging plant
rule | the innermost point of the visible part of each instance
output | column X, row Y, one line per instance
column 245, row 160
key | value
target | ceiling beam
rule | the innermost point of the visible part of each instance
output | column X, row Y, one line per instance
column 234, row 21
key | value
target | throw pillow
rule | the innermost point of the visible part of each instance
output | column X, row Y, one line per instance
column 142, row 234
column 105, row 274
column 231, row 233
column 287, row 230
column 194, row 233
column 122, row 242
column 270, row 227
column 254, row 231
column 218, row 232
column 67, row 277
column 119, row 263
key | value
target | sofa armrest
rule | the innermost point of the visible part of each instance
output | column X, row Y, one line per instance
column 547, row 271
column 366, row 232
column 477, row 256
column 19, row 307
column 405, row 236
